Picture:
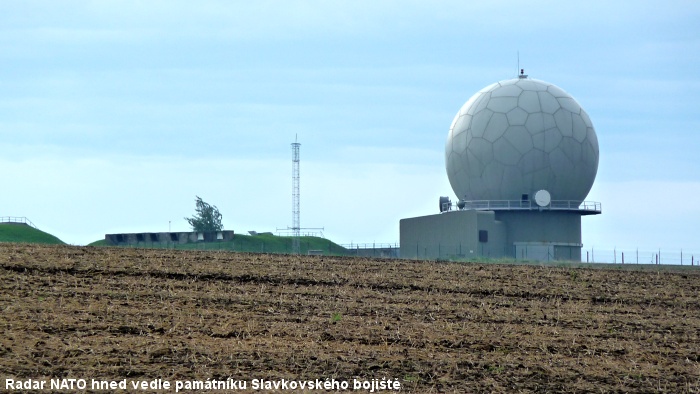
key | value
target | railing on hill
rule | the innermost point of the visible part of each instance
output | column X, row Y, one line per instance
column 16, row 219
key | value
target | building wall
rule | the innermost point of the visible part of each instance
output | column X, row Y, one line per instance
column 497, row 245
column 453, row 234
column 561, row 230
column 530, row 235
column 567, row 252
column 547, row 251
column 541, row 226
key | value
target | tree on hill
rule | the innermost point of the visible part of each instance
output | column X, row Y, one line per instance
column 207, row 218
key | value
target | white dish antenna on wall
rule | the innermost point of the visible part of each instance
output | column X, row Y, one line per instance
column 542, row 198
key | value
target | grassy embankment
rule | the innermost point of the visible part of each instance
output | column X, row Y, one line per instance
column 23, row 233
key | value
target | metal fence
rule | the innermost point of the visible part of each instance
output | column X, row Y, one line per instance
column 16, row 219
column 661, row 256
column 373, row 249
column 457, row 252
column 372, row 245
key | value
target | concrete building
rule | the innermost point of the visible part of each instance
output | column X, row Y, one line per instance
column 521, row 156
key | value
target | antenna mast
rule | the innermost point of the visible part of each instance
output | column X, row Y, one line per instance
column 295, row 197
column 295, row 229
column 521, row 71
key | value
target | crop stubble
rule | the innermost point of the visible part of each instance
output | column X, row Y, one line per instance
column 114, row 313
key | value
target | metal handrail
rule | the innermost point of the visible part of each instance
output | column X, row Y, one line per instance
column 373, row 245
column 16, row 219
column 565, row 205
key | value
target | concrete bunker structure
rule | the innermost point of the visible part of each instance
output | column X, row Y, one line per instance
column 168, row 237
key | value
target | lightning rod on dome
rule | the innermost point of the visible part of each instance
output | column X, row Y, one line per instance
column 522, row 74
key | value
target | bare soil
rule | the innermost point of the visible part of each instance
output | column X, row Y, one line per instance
column 137, row 314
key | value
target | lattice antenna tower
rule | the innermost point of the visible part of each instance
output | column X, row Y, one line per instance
column 296, row 227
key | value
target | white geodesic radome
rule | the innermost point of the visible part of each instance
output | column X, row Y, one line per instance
column 519, row 136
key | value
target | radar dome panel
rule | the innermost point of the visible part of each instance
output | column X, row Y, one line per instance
column 520, row 136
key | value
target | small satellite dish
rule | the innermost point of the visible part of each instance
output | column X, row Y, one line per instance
column 542, row 198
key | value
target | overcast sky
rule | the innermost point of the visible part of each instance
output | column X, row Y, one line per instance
column 115, row 114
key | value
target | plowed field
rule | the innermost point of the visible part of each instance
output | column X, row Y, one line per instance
column 135, row 314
